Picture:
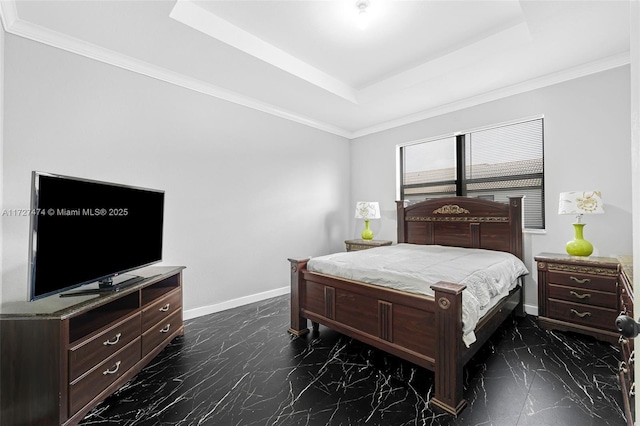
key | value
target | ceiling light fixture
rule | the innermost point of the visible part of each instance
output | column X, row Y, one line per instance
column 363, row 18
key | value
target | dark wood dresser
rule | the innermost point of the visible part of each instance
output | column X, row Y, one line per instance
column 59, row 357
column 626, row 367
column 579, row 294
column 586, row 295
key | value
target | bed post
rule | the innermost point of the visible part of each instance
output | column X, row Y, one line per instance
column 298, row 322
column 448, row 359
column 400, row 206
column 515, row 219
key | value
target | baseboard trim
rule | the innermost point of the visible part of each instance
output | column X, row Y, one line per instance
column 234, row 303
column 531, row 310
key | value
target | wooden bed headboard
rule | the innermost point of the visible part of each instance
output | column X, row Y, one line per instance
column 463, row 222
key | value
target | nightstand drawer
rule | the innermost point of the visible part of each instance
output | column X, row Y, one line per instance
column 576, row 313
column 584, row 296
column 594, row 282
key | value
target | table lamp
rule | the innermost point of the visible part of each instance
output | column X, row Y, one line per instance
column 579, row 203
column 367, row 210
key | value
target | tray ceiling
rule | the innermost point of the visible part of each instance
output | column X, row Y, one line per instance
column 307, row 61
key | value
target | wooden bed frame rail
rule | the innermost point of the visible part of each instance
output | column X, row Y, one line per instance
column 424, row 330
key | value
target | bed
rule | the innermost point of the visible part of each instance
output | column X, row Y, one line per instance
column 422, row 329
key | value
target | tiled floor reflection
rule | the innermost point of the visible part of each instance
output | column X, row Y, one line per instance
column 240, row 367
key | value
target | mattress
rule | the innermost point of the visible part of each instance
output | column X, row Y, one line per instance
column 488, row 275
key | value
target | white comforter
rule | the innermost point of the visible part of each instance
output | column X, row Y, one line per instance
column 488, row 275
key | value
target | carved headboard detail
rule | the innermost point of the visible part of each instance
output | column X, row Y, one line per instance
column 463, row 222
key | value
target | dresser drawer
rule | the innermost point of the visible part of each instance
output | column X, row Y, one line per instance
column 160, row 331
column 590, row 316
column 584, row 296
column 593, row 282
column 626, row 298
column 161, row 309
column 87, row 387
column 87, row 354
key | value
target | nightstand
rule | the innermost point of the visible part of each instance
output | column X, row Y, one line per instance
column 579, row 294
column 355, row 245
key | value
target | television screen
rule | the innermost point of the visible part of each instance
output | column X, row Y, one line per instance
column 84, row 231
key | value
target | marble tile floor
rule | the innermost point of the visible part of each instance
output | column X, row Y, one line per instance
column 240, row 367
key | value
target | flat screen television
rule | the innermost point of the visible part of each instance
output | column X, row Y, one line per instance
column 85, row 231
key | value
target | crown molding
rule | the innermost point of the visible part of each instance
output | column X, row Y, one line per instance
column 465, row 56
column 8, row 13
column 200, row 19
column 526, row 86
column 28, row 30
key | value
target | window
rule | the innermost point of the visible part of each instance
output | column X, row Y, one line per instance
column 493, row 163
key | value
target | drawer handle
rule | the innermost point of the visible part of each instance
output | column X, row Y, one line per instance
column 580, row 296
column 580, row 314
column 114, row 371
column 580, row 281
column 115, row 340
column 165, row 308
column 166, row 329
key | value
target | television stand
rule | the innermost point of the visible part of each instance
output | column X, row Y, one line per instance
column 60, row 356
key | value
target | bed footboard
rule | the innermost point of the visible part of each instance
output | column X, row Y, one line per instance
column 424, row 330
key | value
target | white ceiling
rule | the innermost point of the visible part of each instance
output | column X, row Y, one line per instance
column 307, row 61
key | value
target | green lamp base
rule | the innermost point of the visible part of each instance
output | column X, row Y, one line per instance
column 367, row 233
column 579, row 246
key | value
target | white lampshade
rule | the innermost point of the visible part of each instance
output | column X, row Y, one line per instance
column 581, row 202
column 367, row 210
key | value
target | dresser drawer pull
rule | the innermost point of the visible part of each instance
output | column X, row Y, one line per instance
column 580, row 296
column 580, row 281
column 166, row 329
column 115, row 340
column 580, row 314
column 165, row 308
column 114, row 371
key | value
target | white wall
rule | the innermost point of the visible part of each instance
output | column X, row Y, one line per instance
column 244, row 189
column 587, row 146
column 2, row 36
